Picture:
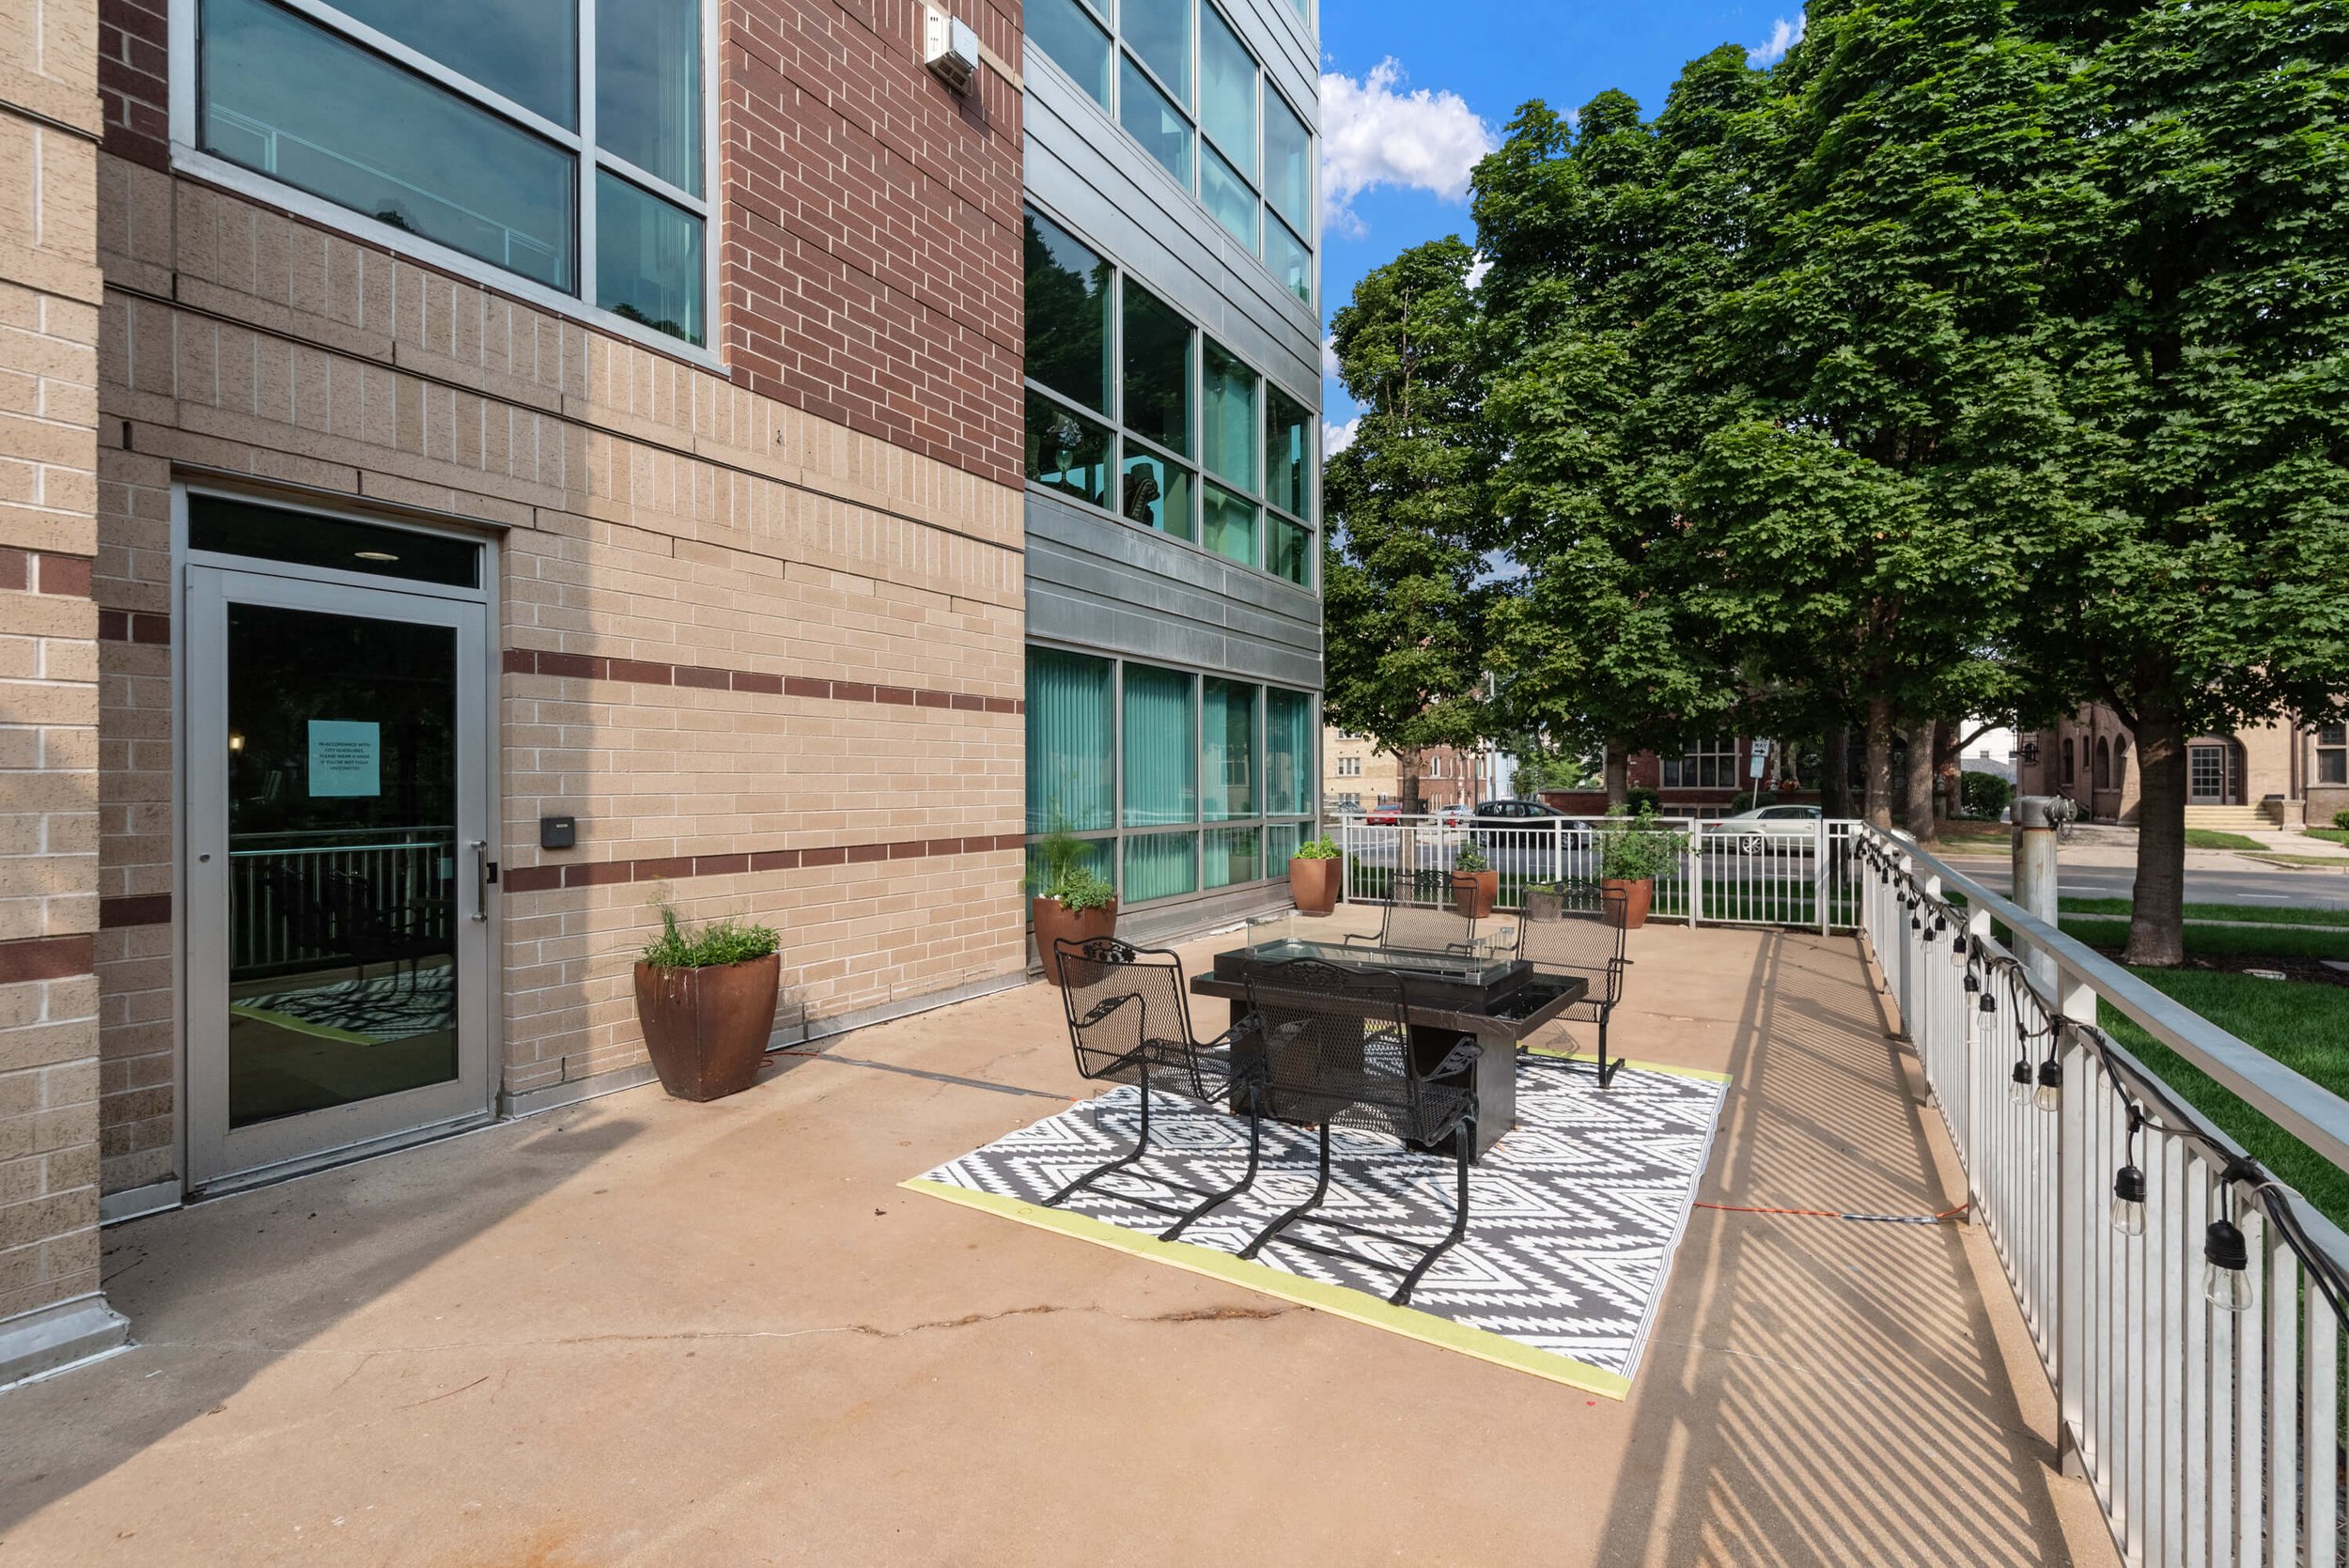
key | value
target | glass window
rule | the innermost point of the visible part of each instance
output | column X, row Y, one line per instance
column 1152, row 120
column 1068, row 314
column 528, row 50
column 1227, row 91
column 649, row 259
column 1159, row 32
column 1231, row 201
column 1228, row 749
column 1228, row 525
column 648, row 86
column 1070, row 760
column 1290, row 261
column 1227, row 415
column 1288, row 551
column 1096, row 854
column 1161, row 749
column 1288, row 753
column 228, row 527
column 1280, row 840
column 1075, row 42
column 1287, row 452
column 1157, row 371
column 1156, row 494
column 1288, row 162
column 293, row 101
column 1231, row 857
column 1068, row 452
column 2332, row 755
column 1160, row 865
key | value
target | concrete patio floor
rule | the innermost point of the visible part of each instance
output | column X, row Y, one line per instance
column 643, row 1332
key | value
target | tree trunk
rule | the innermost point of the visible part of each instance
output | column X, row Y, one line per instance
column 1408, row 764
column 1923, row 775
column 1618, row 768
column 1879, row 806
column 1835, row 777
column 2157, row 926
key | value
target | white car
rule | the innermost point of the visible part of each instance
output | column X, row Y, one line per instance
column 1797, row 828
column 1456, row 815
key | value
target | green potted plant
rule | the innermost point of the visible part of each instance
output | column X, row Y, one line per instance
column 1313, row 875
column 1632, row 851
column 1072, row 901
column 1476, row 883
column 706, row 1002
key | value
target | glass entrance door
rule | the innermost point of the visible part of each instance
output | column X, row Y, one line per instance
column 2206, row 775
column 338, row 868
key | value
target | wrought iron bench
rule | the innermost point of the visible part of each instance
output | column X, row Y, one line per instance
column 1128, row 1022
column 1577, row 930
column 1337, row 1046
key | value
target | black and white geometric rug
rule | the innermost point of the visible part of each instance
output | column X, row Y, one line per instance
column 390, row 1006
column 1573, row 1217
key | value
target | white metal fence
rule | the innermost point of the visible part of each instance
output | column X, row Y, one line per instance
column 1798, row 873
column 2211, row 1435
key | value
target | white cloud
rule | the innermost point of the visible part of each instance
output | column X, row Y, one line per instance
column 1337, row 438
column 1371, row 134
column 1784, row 35
column 1477, row 270
column 1329, row 357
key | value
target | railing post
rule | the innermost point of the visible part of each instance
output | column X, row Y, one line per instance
column 1819, row 877
column 1695, row 853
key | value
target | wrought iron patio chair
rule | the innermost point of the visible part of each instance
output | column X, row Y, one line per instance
column 1430, row 921
column 1128, row 1023
column 1338, row 1051
column 1576, row 930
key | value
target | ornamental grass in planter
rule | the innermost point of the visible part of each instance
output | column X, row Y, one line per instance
column 1632, row 852
column 1073, row 902
column 1475, row 882
column 1314, row 872
column 706, row 1002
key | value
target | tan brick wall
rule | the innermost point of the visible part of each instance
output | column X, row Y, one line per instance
column 729, row 629
column 49, row 319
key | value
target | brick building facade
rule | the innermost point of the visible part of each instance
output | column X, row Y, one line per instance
column 2275, row 776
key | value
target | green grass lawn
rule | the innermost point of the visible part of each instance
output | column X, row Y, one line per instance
column 2220, row 942
column 2263, row 914
column 2208, row 838
column 2331, row 835
column 2306, row 1027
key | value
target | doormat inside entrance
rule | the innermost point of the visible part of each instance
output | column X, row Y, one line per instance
column 1573, row 1217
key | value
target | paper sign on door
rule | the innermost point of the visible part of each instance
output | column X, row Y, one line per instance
column 346, row 758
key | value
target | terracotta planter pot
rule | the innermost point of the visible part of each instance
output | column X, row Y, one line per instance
column 707, row 1029
column 1314, row 884
column 1636, row 896
column 1054, row 923
column 1475, row 891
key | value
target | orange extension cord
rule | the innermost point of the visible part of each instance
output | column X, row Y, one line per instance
column 1830, row 1214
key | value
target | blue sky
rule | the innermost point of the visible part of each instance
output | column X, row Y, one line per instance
column 1412, row 91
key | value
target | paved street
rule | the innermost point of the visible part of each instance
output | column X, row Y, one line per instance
column 2316, row 888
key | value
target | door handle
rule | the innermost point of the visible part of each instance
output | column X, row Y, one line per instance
column 485, row 875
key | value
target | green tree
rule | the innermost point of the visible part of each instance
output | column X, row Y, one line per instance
column 1406, row 592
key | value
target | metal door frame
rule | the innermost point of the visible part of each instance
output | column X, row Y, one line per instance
column 218, row 1159
column 2230, row 779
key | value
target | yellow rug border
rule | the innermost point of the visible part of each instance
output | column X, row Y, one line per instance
column 1334, row 1300
column 292, row 1025
column 1703, row 1075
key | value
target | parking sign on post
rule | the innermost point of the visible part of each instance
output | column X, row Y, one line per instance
column 1761, row 756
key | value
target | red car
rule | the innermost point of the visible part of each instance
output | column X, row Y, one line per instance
column 1388, row 815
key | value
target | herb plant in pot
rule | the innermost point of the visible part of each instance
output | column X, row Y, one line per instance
column 1073, row 902
column 706, row 1002
column 1632, row 852
column 1475, row 882
column 1313, row 873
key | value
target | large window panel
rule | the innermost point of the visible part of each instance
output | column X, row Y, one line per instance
column 1227, row 90
column 287, row 99
column 1288, row 162
column 1068, row 452
column 1288, row 259
column 1280, row 844
column 526, row 50
column 1230, row 857
column 1288, row 753
column 649, row 259
column 648, row 86
column 1066, row 31
column 1151, row 120
column 1227, row 524
column 1288, row 550
column 1068, row 314
column 1156, row 494
column 1229, row 199
column 1227, row 415
column 1157, row 371
column 1071, row 756
column 1160, row 865
column 1159, row 32
column 1161, row 749
column 1287, row 452
column 1227, row 759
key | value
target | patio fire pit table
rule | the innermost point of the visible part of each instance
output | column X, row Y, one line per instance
column 1495, row 997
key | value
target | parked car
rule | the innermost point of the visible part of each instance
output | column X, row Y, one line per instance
column 1511, row 821
column 1457, row 815
column 1389, row 815
column 1795, row 826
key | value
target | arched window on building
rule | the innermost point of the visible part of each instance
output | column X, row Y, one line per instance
column 2121, row 763
column 2104, row 763
column 2070, row 776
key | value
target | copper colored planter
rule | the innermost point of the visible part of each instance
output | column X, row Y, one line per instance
column 1054, row 923
column 1314, row 884
column 1475, row 893
column 706, row 1028
column 1635, row 896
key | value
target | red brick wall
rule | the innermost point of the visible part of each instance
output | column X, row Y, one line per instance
column 869, row 223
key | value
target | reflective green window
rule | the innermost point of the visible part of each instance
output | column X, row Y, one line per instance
column 1287, row 456
column 1068, row 452
column 1157, row 371
column 649, row 259
column 1096, row 854
column 1076, row 43
column 1227, row 91
column 1290, row 261
column 1229, row 857
column 1068, row 314
column 1288, row 162
column 1161, row 749
column 527, row 50
column 1152, row 120
column 1070, row 757
column 1288, row 550
column 1288, row 753
column 1227, row 415
column 1156, row 494
column 648, row 86
column 1280, row 844
column 1228, row 524
column 1160, row 865
column 1227, row 760
column 1159, row 32
column 1229, row 198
